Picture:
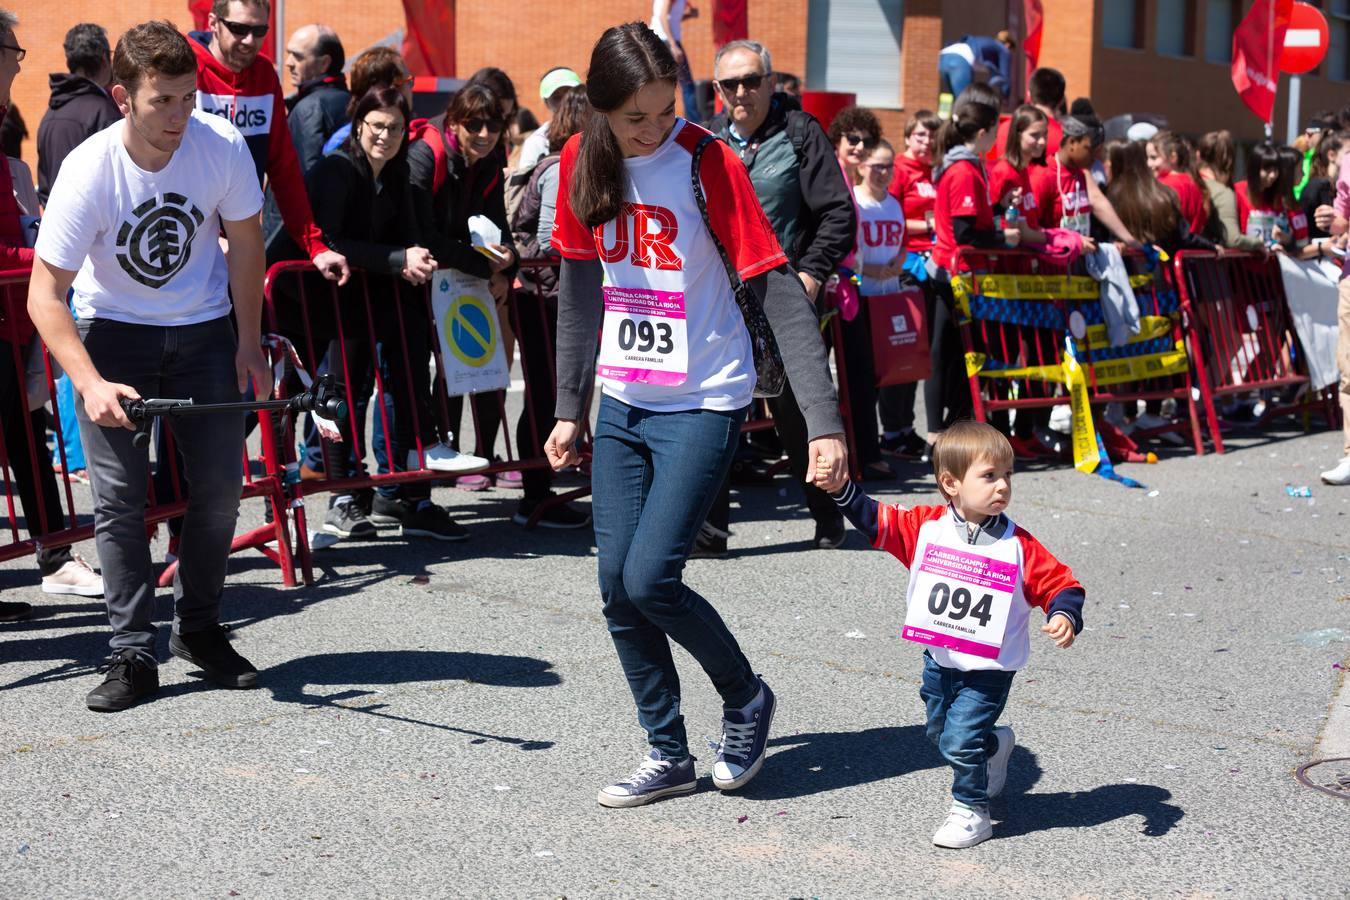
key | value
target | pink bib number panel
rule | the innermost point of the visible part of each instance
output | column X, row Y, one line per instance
column 645, row 338
column 959, row 600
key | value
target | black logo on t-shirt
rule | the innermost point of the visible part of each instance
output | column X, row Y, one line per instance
column 157, row 244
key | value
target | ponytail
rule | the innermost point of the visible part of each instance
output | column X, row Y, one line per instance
column 976, row 110
column 626, row 59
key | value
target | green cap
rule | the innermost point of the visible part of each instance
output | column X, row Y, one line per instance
column 555, row 79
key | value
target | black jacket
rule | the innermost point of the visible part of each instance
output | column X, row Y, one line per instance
column 316, row 111
column 826, row 229
column 443, row 217
column 78, row 108
column 371, row 223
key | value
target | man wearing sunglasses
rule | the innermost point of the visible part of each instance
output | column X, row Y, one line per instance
column 235, row 83
column 793, row 169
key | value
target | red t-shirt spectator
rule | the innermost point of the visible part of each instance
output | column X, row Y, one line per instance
column 1004, row 178
column 912, row 185
column 1061, row 193
column 1192, row 201
column 962, row 190
column 1053, row 135
column 1297, row 221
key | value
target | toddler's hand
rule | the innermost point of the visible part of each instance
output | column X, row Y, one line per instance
column 824, row 477
column 1060, row 629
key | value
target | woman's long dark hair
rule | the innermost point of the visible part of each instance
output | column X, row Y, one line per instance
column 1218, row 153
column 1025, row 116
column 378, row 99
column 976, row 110
column 626, row 59
column 1266, row 155
column 1146, row 206
column 1321, row 161
column 571, row 110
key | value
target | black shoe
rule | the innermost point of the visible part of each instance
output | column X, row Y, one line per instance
column 431, row 521
column 751, row 472
column 388, row 512
column 711, row 543
column 829, row 535
column 129, row 680
column 906, row 446
column 346, row 519
column 15, row 612
column 877, row 471
column 211, row 652
column 559, row 516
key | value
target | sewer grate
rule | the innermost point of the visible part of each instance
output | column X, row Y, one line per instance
column 1330, row 776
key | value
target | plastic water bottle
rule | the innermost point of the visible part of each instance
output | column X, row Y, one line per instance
column 1010, row 216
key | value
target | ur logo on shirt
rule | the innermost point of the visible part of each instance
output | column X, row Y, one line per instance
column 156, row 245
column 883, row 233
column 651, row 249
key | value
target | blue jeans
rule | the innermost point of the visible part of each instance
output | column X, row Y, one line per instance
column 963, row 708
column 955, row 71
column 654, row 475
column 689, row 90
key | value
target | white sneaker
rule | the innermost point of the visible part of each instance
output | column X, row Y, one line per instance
column 1148, row 421
column 1340, row 474
column 1061, row 418
column 998, row 763
column 75, row 577
column 441, row 458
column 965, row 827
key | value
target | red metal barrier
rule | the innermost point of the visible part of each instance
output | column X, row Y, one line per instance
column 1239, row 331
column 55, row 529
column 1017, row 312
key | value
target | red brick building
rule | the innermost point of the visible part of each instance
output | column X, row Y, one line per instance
column 1162, row 56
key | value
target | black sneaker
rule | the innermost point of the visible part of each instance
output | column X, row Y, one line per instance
column 129, row 679
column 388, row 512
column 711, row 543
column 558, row 516
column 346, row 519
column 431, row 521
column 752, row 472
column 15, row 612
column 211, row 652
column 906, row 446
column 654, row 779
column 829, row 535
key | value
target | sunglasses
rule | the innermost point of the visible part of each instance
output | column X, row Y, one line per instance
column 241, row 31
column 749, row 82
column 19, row 52
column 855, row 139
column 475, row 126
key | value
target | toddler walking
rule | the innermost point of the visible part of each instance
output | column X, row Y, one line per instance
column 974, row 578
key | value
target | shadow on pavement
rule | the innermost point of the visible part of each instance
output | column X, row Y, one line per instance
column 290, row 682
column 805, row 764
column 1027, row 813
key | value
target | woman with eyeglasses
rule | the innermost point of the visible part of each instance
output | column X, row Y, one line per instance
column 363, row 202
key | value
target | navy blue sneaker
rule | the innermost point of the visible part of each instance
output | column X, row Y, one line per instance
column 654, row 779
column 745, row 736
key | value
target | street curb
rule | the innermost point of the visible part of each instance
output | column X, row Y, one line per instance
column 1334, row 741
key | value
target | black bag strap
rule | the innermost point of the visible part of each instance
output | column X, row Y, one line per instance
column 736, row 284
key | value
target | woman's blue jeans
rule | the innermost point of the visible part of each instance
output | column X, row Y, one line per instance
column 654, row 475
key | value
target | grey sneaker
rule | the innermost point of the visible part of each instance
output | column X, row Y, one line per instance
column 347, row 519
column 998, row 763
column 654, row 779
column 745, row 737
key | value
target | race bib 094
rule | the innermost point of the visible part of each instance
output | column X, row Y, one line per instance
column 960, row 601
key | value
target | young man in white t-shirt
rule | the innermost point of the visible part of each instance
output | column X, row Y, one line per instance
column 133, row 224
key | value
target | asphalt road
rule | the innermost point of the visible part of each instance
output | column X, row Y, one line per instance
column 436, row 719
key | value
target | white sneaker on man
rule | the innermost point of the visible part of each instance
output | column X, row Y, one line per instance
column 442, row 458
column 75, row 577
column 1340, row 474
column 965, row 827
column 998, row 763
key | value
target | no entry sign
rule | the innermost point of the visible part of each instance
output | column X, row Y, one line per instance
column 1305, row 40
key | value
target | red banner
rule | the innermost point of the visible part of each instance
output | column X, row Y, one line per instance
column 1257, row 44
column 429, row 42
column 731, row 21
column 1035, row 21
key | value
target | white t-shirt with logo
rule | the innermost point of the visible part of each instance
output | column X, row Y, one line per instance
column 881, row 235
column 145, row 243
column 673, row 337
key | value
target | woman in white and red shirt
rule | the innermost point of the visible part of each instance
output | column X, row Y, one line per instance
column 1169, row 158
column 677, row 377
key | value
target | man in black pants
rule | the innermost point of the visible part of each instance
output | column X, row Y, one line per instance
column 797, row 178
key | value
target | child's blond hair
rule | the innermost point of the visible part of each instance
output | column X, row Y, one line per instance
column 963, row 444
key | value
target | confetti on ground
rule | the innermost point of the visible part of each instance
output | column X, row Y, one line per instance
column 741, row 820
column 856, row 635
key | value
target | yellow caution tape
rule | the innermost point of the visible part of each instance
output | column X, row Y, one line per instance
column 1037, row 287
column 1084, row 435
